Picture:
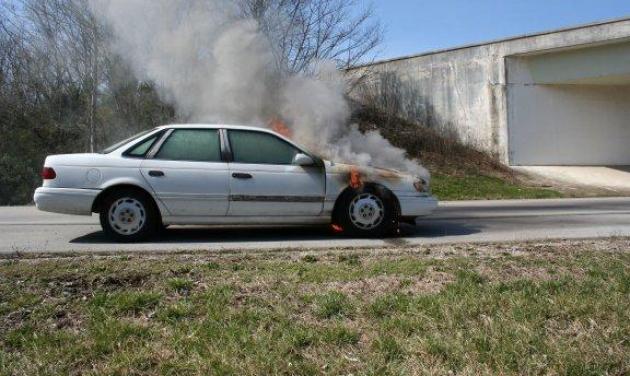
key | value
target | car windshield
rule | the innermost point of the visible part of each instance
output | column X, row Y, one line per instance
column 115, row 146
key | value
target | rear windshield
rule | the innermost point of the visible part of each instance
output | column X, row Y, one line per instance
column 109, row 149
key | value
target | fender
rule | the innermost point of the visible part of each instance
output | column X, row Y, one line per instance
column 137, row 181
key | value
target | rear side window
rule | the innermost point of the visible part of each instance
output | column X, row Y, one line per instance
column 200, row 145
column 125, row 141
column 259, row 147
column 143, row 147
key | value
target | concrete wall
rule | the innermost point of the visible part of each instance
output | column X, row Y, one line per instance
column 466, row 89
column 461, row 90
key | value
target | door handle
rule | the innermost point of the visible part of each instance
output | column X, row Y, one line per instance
column 241, row 175
column 156, row 173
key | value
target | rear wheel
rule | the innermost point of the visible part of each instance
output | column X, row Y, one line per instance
column 128, row 216
column 369, row 211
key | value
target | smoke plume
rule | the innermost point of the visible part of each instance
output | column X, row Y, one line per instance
column 216, row 66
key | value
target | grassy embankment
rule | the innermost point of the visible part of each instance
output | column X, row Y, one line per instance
column 558, row 308
column 458, row 171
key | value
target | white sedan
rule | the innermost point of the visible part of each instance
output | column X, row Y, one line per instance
column 219, row 174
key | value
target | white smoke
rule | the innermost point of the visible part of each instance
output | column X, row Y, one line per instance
column 215, row 66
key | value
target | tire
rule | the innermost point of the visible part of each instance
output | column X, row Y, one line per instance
column 370, row 211
column 129, row 215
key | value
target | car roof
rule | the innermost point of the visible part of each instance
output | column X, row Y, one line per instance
column 216, row 126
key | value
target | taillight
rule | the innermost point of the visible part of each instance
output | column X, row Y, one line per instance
column 48, row 173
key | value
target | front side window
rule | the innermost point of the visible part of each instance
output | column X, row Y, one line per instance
column 200, row 145
column 260, row 147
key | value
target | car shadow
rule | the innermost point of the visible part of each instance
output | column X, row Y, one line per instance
column 435, row 229
column 249, row 234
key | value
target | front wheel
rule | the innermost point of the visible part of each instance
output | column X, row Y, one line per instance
column 369, row 211
column 128, row 216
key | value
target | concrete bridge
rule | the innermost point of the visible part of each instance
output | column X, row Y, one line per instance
column 555, row 98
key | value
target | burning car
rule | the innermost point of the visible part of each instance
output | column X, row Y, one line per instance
column 223, row 174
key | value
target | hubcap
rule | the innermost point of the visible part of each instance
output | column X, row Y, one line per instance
column 127, row 216
column 366, row 211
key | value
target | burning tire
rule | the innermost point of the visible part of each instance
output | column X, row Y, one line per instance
column 367, row 211
column 128, row 216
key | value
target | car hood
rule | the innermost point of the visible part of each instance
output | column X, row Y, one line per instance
column 370, row 172
column 343, row 175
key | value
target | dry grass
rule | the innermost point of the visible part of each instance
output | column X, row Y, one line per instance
column 459, row 171
column 532, row 308
column 436, row 150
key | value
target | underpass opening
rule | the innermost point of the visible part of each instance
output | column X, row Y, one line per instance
column 570, row 107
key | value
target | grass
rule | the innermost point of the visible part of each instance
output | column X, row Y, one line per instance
column 332, row 304
column 481, row 187
column 534, row 308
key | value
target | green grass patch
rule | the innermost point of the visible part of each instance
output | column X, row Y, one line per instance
column 387, row 305
column 176, row 311
column 480, row 187
column 340, row 335
column 388, row 347
column 126, row 302
column 558, row 308
column 180, row 285
column 332, row 304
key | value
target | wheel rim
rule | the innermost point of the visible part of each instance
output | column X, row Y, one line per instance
column 127, row 216
column 366, row 211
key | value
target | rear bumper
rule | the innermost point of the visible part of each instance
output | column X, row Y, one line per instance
column 65, row 200
column 417, row 206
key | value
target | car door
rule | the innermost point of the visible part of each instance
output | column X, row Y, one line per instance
column 188, row 174
column 265, row 182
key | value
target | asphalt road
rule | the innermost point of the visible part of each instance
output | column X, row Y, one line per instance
column 25, row 229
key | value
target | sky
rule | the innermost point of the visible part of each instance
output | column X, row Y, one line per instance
column 415, row 26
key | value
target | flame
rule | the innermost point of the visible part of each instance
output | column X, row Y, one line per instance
column 277, row 125
column 336, row 228
column 355, row 178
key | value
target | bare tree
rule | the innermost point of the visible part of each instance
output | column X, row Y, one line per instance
column 63, row 39
column 303, row 32
column 60, row 83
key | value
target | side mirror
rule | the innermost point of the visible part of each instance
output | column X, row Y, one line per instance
column 301, row 159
